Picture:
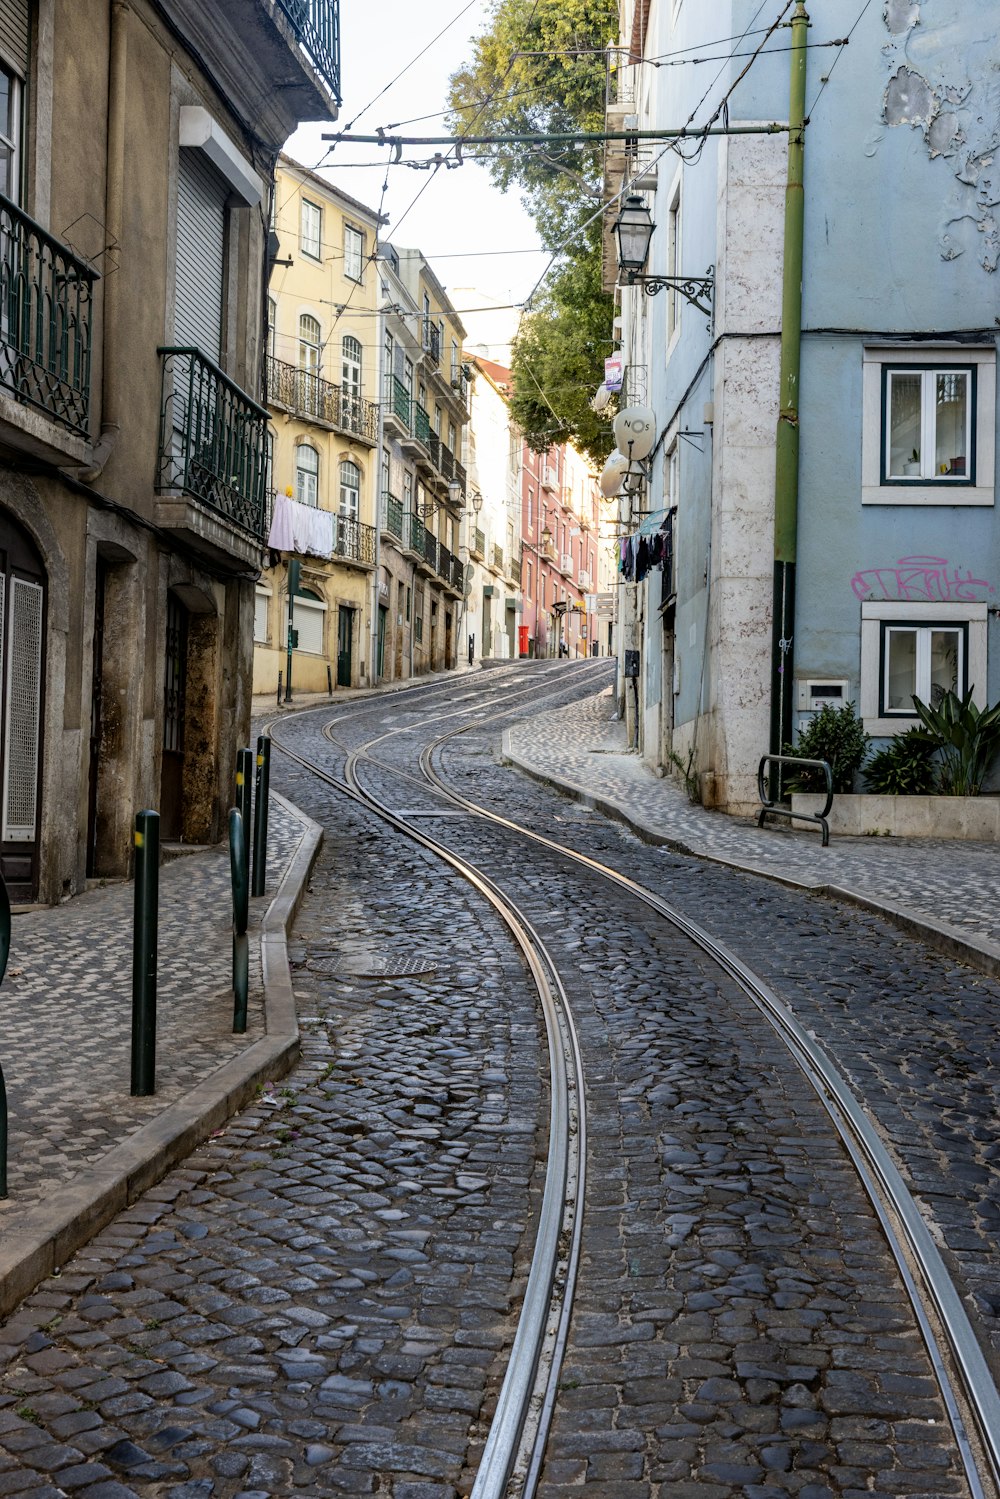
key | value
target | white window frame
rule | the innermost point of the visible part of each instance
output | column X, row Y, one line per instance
column 929, row 490
column 940, row 616
column 311, row 229
column 354, row 253
column 675, row 237
column 304, row 490
column 350, row 494
column 12, row 141
column 312, row 611
column 261, row 608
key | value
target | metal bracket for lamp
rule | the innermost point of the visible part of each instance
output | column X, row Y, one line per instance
column 698, row 290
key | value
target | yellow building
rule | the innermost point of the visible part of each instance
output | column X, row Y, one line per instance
column 322, row 397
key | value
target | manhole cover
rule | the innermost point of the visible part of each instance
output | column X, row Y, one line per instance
column 388, row 967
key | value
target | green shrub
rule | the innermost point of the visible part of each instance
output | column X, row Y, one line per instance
column 966, row 737
column 905, row 767
column 837, row 736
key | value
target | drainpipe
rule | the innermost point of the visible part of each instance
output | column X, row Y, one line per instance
column 786, row 465
column 114, row 194
column 379, row 441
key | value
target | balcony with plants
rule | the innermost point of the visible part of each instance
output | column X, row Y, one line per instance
column 313, row 399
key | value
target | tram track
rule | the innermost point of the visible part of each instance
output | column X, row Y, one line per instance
column 516, row 1442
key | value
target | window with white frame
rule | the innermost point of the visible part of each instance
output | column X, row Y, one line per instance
column 407, row 491
column 308, row 617
column 674, row 260
column 354, row 253
column 10, row 135
column 918, row 650
column 272, row 325
column 262, row 598
column 350, row 490
column 307, row 475
column 350, row 366
column 311, row 230
column 929, row 426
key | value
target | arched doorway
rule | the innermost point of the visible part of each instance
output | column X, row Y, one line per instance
column 22, row 678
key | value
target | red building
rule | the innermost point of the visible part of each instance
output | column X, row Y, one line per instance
column 559, row 554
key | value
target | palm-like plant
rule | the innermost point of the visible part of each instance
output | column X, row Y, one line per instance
column 966, row 737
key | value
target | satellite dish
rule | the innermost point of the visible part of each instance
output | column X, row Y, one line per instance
column 635, row 431
column 612, row 475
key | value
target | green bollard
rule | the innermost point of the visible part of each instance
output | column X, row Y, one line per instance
column 4, row 955
column 241, row 912
column 244, row 798
column 144, row 945
column 261, row 793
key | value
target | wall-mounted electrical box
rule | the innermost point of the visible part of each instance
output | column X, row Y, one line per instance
column 812, row 694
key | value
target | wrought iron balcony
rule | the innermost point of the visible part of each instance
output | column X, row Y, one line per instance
column 314, row 399
column 498, row 558
column 446, row 461
column 421, row 424
column 477, row 543
column 432, row 343
column 392, row 515
column 213, row 440
column 515, row 569
column 461, row 476
column 317, row 26
column 397, row 400
column 355, row 541
column 431, row 548
column 46, row 296
column 414, row 533
column 450, row 568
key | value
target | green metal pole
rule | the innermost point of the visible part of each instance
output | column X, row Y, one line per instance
column 786, row 465
column 147, row 879
column 244, row 795
column 261, row 793
column 4, row 955
column 294, row 573
column 241, row 912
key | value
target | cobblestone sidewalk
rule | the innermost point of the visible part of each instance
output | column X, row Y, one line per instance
column 943, row 889
column 78, row 1142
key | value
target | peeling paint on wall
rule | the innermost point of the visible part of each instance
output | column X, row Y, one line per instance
column 943, row 64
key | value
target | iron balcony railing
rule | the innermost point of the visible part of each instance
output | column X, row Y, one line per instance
column 498, row 557
column 431, row 548
column 478, row 543
column 414, row 534
column 310, row 396
column 213, row 440
column 460, row 475
column 392, row 514
column 46, row 299
column 515, row 569
column 355, row 541
column 317, row 28
column 421, row 423
column 446, row 462
column 397, row 399
column 450, row 567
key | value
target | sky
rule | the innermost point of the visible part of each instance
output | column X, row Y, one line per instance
column 473, row 235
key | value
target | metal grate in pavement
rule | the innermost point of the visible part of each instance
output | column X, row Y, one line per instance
column 387, row 967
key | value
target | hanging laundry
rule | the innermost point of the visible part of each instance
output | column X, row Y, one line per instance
column 641, row 559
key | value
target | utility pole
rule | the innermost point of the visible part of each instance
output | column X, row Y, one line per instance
column 786, row 463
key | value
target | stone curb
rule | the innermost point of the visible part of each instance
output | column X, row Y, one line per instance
column 977, row 952
column 46, row 1237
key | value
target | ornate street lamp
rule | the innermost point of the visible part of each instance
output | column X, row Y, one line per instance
column 633, row 230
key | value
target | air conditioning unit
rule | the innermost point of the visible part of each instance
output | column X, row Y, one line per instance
column 584, row 581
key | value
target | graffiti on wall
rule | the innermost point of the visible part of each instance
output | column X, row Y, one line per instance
column 923, row 580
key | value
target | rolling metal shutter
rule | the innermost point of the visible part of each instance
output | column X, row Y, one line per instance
column 24, row 689
column 14, row 34
column 201, row 224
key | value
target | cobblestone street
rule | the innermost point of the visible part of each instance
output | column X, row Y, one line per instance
column 323, row 1297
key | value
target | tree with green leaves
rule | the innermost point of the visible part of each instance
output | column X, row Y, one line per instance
column 540, row 68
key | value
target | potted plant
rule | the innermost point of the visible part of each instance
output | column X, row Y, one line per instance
column 911, row 468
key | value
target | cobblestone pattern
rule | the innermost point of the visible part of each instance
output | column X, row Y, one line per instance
column 66, row 1013
column 947, row 881
column 739, row 1326
column 316, row 1302
column 914, row 1033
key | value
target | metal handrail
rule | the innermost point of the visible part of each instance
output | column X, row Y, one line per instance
column 770, row 808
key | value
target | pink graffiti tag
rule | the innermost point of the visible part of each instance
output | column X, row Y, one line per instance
column 932, row 580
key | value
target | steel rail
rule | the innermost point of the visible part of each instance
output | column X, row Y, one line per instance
column 878, row 1172
column 527, row 1390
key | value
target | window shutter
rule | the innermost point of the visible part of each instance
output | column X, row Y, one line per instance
column 14, row 34
column 24, row 686
column 201, row 224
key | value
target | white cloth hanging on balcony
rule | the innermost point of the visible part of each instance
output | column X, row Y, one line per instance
column 300, row 528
